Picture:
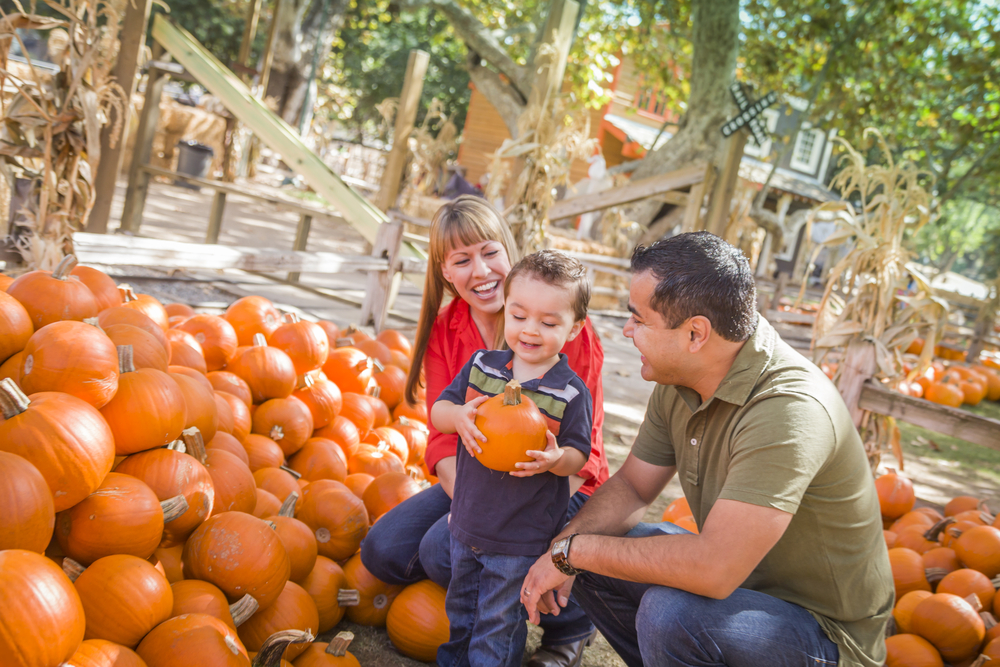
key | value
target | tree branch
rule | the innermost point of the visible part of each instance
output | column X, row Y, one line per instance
column 953, row 190
column 505, row 98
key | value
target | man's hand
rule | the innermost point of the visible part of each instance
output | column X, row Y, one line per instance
column 543, row 588
column 465, row 426
column 544, row 460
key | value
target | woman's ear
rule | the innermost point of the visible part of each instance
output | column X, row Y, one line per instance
column 446, row 274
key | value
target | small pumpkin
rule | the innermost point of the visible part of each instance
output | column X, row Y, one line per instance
column 334, row 654
column 231, row 383
column 148, row 409
column 391, row 381
column 276, row 480
column 950, row 624
column 56, row 296
column 267, row 370
column 100, row 284
column 234, row 484
column 28, row 516
column 73, row 358
column 299, row 543
column 169, row 559
column 337, row 517
column 145, row 304
column 102, row 653
column 907, row 650
column 263, row 452
column 375, row 596
column 242, row 421
column 193, row 639
column 267, row 504
column 358, row 482
column 319, row 459
column 327, row 586
column 394, row 340
column 416, row 435
column 304, row 342
column 905, row 605
column 135, row 318
column 322, row 397
column 964, row 582
column 146, row 349
column 287, row 421
column 979, row 548
column 292, row 610
column 350, row 369
column 252, row 315
column 228, row 443
column 393, row 439
column 359, row 411
column 215, row 335
column 16, row 326
column 417, row 623
column 342, row 431
column 907, row 571
column 183, row 353
column 199, row 405
column 374, row 461
column 179, row 310
column 374, row 349
column 512, row 425
column 388, row 490
column 192, row 596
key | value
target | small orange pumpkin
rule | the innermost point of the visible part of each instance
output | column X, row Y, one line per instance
column 895, row 494
column 388, row 490
column 512, row 425
column 950, row 624
column 337, row 517
column 417, row 623
column 375, row 596
column 54, row 296
column 73, row 358
column 28, row 516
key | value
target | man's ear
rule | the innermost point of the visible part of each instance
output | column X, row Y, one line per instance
column 575, row 331
column 699, row 331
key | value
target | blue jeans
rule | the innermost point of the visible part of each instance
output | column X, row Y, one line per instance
column 484, row 608
column 658, row 626
column 411, row 543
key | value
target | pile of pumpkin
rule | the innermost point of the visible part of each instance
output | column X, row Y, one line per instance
column 179, row 487
column 951, row 382
column 946, row 569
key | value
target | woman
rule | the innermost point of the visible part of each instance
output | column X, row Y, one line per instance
column 471, row 253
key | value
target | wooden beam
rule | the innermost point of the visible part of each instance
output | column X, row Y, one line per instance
column 406, row 115
column 301, row 241
column 138, row 179
column 789, row 317
column 379, row 285
column 215, row 217
column 265, row 69
column 725, row 185
column 132, row 41
column 249, row 33
column 634, row 191
column 939, row 418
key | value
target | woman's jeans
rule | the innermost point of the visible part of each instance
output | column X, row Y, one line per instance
column 412, row 542
column 484, row 607
column 657, row 626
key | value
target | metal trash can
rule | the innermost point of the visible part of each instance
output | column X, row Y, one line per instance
column 193, row 159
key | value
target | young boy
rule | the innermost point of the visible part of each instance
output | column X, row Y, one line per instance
column 502, row 522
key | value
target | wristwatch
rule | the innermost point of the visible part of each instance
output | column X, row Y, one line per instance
column 560, row 556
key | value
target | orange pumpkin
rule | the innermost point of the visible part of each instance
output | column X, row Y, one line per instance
column 913, row 537
column 960, row 504
column 677, row 509
column 146, row 349
column 337, row 517
column 905, row 605
column 375, row 596
column 358, row 482
column 944, row 394
column 252, row 315
column 100, row 284
column 334, row 654
column 292, row 610
column 12, row 368
column 304, row 342
column 327, row 586
column 235, row 488
column 979, row 548
column 28, row 515
column 41, row 618
column 192, row 596
column 277, row 481
column 263, row 452
column 227, row 422
column 123, row 598
column 417, row 623
column 393, row 439
column 66, row 440
column 231, row 383
column 135, row 318
column 911, row 651
column 416, row 435
column 941, row 559
column 319, row 459
column 400, row 360
column 242, row 421
column 193, row 639
column 216, row 337
column 512, row 425
column 199, row 405
column 394, row 340
column 147, row 411
column 102, row 653
column 169, row 559
column 73, row 358
column 287, row 421
column 907, row 571
column 417, row 412
column 122, row 516
column 146, row 304
column 374, row 461
column 322, row 397
column 16, row 326
column 240, row 554
column 357, row 409
column 179, row 310
column 965, row 582
column 229, row 443
column 382, row 414
column 299, row 543
column 391, row 381
column 350, row 369
column 388, row 490
column 267, row 370
column 54, row 296
column 183, row 353
column 950, row 624
column 895, row 495
column 267, row 505
column 342, row 431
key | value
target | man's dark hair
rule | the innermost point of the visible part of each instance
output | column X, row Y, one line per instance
column 700, row 274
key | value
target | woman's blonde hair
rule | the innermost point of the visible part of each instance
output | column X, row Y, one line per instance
column 465, row 221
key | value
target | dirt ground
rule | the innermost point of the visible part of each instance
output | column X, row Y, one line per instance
column 941, row 467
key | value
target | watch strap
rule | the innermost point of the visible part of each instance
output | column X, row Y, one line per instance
column 560, row 557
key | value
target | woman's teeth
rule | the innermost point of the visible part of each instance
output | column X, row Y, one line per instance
column 487, row 287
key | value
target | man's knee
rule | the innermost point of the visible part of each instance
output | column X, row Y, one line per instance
column 667, row 611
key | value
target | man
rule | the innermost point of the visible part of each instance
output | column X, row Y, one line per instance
column 790, row 566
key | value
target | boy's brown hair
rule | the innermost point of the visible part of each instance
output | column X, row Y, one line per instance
column 555, row 268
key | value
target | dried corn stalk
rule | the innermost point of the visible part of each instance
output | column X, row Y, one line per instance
column 433, row 144
column 51, row 127
column 876, row 301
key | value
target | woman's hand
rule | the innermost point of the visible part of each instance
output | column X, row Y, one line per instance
column 544, row 460
column 465, row 426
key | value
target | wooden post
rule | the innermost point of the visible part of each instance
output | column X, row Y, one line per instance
column 265, row 70
column 215, row 217
column 138, row 179
column 406, row 114
column 301, row 240
column 779, row 290
column 377, row 291
column 249, row 33
column 722, row 195
column 133, row 39
column 559, row 33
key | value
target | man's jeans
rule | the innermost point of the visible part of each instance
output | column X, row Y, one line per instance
column 484, row 608
column 657, row 626
column 412, row 542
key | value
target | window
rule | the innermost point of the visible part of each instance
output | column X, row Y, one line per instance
column 808, row 150
column 770, row 118
column 650, row 101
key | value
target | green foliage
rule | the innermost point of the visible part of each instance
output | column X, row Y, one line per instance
column 217, row 24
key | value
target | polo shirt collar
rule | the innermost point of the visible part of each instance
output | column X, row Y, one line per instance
column 557, row 377
column 748, row 366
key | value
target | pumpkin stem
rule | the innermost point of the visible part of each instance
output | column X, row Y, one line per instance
column 512, row 393
column 343, row 342
column 292, row 318
column 995, row 581
column 173, row 508
column 375, row 391
column 65, row 267
column 12, row 400
column 126, row 359
column 277, row 433
column 275, row 645
column 989, row 620
column 128, row 294
column 93, row 321
column 934, row 533
column 294, row 473
column 980, row 661
column 272, row 524
column 348, row 597
column 379, row 366
column 338, row 645
column 177, row 446
column 307, row 381
column 259, row 340
column 288, row 507
column 935, row 574
column 72, row 569
column 243, row 609
column 194, row 443
column 974, row 600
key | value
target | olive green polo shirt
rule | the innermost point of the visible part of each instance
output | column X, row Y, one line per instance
column 776, row 433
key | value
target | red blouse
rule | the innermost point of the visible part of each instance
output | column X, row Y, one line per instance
column 455, row 338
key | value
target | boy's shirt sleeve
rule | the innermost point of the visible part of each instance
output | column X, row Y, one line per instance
column 577, row 421
column 456, row 391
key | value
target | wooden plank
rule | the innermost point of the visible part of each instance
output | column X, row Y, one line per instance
column 137, row 250
column 939, row 418
column 789, row 317
column 132, row 42
column 674, row 197
column 406, row 115
column 396, row 214
column 722, row 195
column 634, row 191
column 273, row 131
column 377, row 290
column 599, row 259
column 249, row 33
column 301, row 241
column 215, row 217
column 138, row 180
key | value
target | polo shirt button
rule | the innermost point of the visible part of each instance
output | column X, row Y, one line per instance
column 694, row 442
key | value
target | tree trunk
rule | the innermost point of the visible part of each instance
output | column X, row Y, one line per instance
column 715, row 35
column 300, row 24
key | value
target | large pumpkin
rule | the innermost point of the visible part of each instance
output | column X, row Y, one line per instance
column 388, row 490
column 146, row 349
column 252, row 315
column 102, row 653
column 216, row 337
column 907, row 571
column 327, row 586
column 200, row 411
column 231, row 384
column 304, row 342
column 41, row 618
column 52, row 297
column 122, row 516
column 132, row 317
column 337, row 517
column 240, row 554
column 123, row 597
column 417, row 622
column 193, row 639
column 979, row 548
column 292, row 610
column 319, row 459
column 950, row 624
column 287, row 421
column 66, row 439
column 911, row 651
column 512, row 425
column 322, row 397
column 28, row 515
column 193, row 596
column 73, row 358
column 350, row 369
column 375, row 596
column 15, row 323
column 267, row 370
column 147, row 411
column 101, row 285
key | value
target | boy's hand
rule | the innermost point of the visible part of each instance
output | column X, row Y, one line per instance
column 544, row 460
column 465, row 426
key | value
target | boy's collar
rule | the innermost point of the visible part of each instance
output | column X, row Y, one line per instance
column 558, row 376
